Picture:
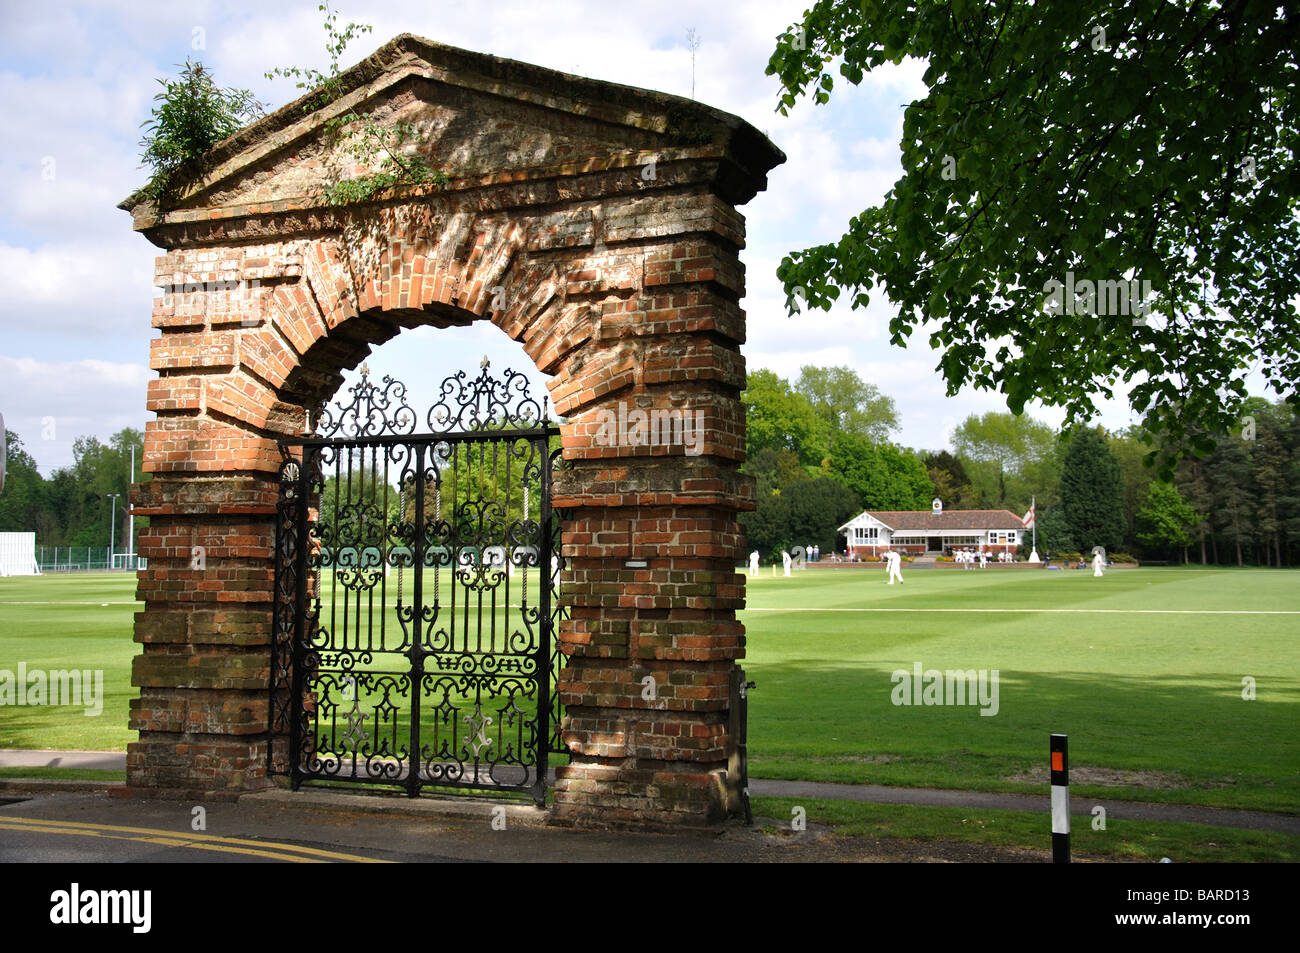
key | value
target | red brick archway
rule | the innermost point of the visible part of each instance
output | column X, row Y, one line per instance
column 593, row 223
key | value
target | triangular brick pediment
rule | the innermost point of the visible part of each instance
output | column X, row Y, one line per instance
column 479, row 118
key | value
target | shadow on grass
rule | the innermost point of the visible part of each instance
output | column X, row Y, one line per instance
column 1193, row 735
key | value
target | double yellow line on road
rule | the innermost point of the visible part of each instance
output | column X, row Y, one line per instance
column 271, row 850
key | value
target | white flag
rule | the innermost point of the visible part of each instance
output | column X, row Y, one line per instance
column 1028, row 518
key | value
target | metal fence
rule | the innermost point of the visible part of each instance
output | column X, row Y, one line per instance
column 85, row 559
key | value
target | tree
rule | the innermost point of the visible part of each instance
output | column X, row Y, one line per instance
column 856, row 463
column 845, row 402
column 1291, row 497
column 778, row 418
column 1092, row 491
column 1166, row 520
column 23, row 498
column 1001, row 452
column 818, row 508
column 1271, row 459
column 1073, row 166
column 1194, row 487
column 767, row 526
column 774, row 469
column 804, row 513
column 884, row 477
column 1053, row 534
column 909, row 485
column 1128, row 451
column 1233, row 498
column 72, row 506
column 951, row 483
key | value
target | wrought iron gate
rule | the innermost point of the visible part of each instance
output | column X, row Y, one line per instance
column 416, row 584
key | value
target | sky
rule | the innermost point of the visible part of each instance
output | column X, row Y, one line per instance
column 77, row 80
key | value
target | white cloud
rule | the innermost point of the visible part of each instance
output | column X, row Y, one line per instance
column 51, row 403
column 75, row 293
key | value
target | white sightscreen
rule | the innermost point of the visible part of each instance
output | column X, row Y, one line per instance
column 18, row 554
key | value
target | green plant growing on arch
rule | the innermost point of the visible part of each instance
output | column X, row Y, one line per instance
column 372, row 143
column 192, row 115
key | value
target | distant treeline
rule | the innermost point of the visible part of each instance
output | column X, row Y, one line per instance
column 72, row 506
column 819, row 451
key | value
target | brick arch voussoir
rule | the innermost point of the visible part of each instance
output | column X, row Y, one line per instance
column 476, row 270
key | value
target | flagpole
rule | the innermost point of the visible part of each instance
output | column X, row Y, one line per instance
column 1033, row 516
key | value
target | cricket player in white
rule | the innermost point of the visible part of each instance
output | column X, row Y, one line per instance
column 785, row 561
column 753, row 563
column 1097, row 562
column 895, row 566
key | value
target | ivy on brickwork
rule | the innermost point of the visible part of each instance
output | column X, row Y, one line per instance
column 192, row 115
column 369, row 142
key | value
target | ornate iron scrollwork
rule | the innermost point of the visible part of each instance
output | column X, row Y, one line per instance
column 415, row 591
column 486, row 403
column 374, row 410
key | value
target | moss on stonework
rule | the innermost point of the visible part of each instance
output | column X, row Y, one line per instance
column 684, row 126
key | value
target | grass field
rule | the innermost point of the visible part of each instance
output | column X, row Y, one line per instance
column 1121, row 840
column 1143, row 669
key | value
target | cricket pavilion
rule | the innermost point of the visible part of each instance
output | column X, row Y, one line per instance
column 934, row 532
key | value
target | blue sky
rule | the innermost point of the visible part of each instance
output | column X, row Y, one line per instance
column 76, row 81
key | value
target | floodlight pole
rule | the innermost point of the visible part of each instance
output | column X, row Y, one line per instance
column 112, row 526
column 130, row 513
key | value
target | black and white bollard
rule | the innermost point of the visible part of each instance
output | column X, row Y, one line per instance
column 1060, row 800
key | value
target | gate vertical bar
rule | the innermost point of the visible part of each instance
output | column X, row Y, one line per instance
column 417, row 629
column 545, row 635
column 302, row 558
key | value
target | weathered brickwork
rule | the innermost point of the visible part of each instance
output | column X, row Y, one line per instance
column 596, row 225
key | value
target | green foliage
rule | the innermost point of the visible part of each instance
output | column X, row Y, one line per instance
column 1011, row 459
column 835, row 424
column 1247, row 490
column 1101, row 140
column 774, row 469
column 390, row 149
column 1092, row 491
column 909, row 485
column 1052, row 532
column 192, row 115
column 1129, row 451
column 951, row 483
column 72, row 508
column 21, row 499
column 843, row 401
column 883, row 476
column 1166, row 521
column 362, row 188
column 802, row 513
column 777, row 418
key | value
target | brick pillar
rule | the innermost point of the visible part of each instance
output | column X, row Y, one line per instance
column 650, row 650
column 204, row 662
column 203, row 670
